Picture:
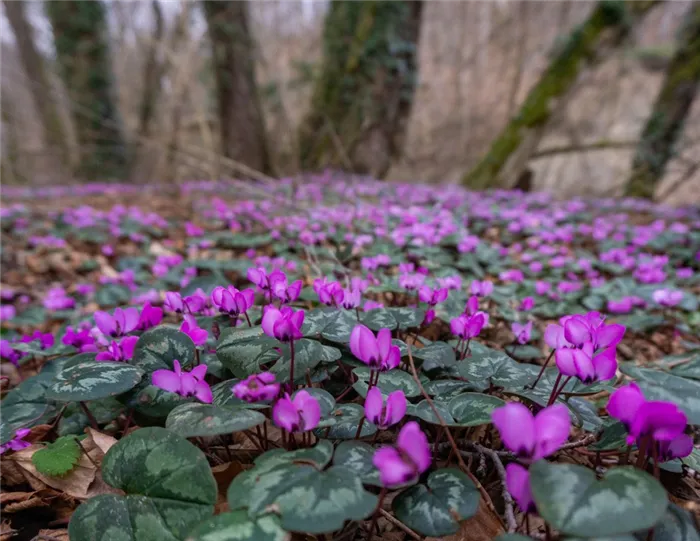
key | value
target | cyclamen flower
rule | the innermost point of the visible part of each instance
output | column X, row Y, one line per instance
column 512, row 275
column 468, row 327
column 17, row 443
column 622, row 306
column 372, row 305
column 151, row 316
column 527, row 304
column 405, row 462
column 283, row 290
column 184, row 383
column 56, row 299
column 46, row 340
column 662, row 421
column 411, row 282
column 82, row 339
column 585, row 364
column 667, row 297
column 297, row 415
column 231, row 301
column 450, row 282
column 8, row 353
column 329, row 293
column 518, row 484
column 378, row 353
column 384, row 414
column 284, row 324
column 351, row 298
column 197, row 334
column 432, row 296
column 532, row 437
column 523, row 333
column 542, row 287
column 481, row 289
column 257, row 388
column 119, row 351
column 679, row 447
column 7, row 312
column 122, row 322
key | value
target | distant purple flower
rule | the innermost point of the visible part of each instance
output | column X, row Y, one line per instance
column 542, row 287
column 257, row 388
column 679, row 447
column 258, row 275
column 151, row 316
column 351, row 298
column 450, row 282
column 17, row 443
column 297, row 415
column 384, row 414
column 192, row 230
column 376, row 352
column 518, row 484
column 329, row 293
column 8, row 353
column 481, row 289
column 411, row 282
column 81, row 339
column 122, row 322
column 684, row 273
column 512, row 275
column 372, row 305
column 432, row 296
column 282, row 289
column 532, row 437
column 622, row 306
column 523, row 333
column 184, row 383
column 284, row 324
column 429, row 317
column 119, row 351
column 468, row 244
column 405, row 462
column 46, row 340
column 57, row 299
column 527, row 304
column 231, row 301
column 667, row 297
column 7, row 312
column 107, row 250
column 466, row 326
column 197, row 334
column 586, row 365
column 84, row 289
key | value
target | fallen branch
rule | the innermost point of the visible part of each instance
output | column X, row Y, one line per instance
column 396, row 522
column 507, row 498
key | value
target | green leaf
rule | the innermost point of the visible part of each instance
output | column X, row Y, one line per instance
column 642, row 322
column 93, row 380
column 237, row 526
column 57, row 458
column 112, row 295
column 435, row 355
column 448, row 388
column 573, row 501
column 307, row 355
column 347, row 419
column 195, row 419
column 407, row 317
column 169, row 489
column 676, row 525
column 241, row 349
column 496, row 367
column 74, row 419
column 338, row 330
column 390, row 381
column 357, row 457
column 436, row 510
column 422, row 410
column 473, row 409
column 157, row 349
column 379, row 318
column 525, row 352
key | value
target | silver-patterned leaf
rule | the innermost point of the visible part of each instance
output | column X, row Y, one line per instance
column 357, row 457
column 237, row 526
column 92, row 380
column 436, row 355
column 241, row 349
column 157, row 348
column 194, row 419
column 473, row 409
column 347, row 419
column 393, row 380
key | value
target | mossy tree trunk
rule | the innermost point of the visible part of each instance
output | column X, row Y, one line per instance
column 34, row 67
column 364, row 92
column 607, row 25
column 673, row 103
column 242, row 127
column 82, row 53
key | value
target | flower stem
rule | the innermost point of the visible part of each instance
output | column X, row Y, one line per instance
column 196, row 356
column 642, row 456
column 359, row 428
column 247, row 319
column 90, row 416
column 553, row 395
column 291, row 366
column 382, row 495
column 543, row 368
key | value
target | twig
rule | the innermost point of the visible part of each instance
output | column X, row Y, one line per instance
column 453, row 443
column 396, row 522
column 86, row 453
column 507, row 498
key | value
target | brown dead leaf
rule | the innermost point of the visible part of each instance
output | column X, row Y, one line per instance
column 6, row 531
column 10, row 497
column 484, row 526
column 11, row 473
column 31, row 503
column 54, row 535
column 38, row 433
column 97, row 444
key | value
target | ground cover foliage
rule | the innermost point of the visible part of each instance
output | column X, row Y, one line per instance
column 340, row 358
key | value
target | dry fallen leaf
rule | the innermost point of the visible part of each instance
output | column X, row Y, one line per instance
column 6, row 531
column 10, row 497
column 54, row 535
column 484, row 526
column 31, row 503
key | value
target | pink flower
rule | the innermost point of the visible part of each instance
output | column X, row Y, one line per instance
column 529, row 437
column 381, row 414
column 468, row 327
column 411, row 282
column 523, row 333
column 405, row 462
column 679, row 447
column 378, row 353
column 667, row 297
column 542, row 287
column 17, row 443
column 481, row 289
column 518, row 484
column 432, row 296
column 298, row 415
column 372, row 305
column 282, row 289
column 190, row 328
column 231, row 301
column 351, row 298
column 284, row 324
column 119, row 351
column 151, row 316
column 184, row 383
column 623, row 306
column 7, row 312
column 585, row 364
column 527, row 304
column 124, row 321
column 329, row 293
column 257, row 388
column 512, row 275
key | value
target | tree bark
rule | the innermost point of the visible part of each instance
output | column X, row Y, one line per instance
column 55, row 136
column 82, row 54
column 152, row 73
column 363, row 96
column 665, row 124
column 605, row 29
column 242, row 126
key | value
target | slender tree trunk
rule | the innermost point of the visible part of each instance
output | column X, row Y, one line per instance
column 82, row 54
column 152, row 73
column 605, row 29
column 363, row 96
column 34, row 66
column 242, row 126
column 665, row 124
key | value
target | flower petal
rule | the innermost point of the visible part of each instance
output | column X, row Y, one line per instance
column 552, row 427
column 415, row 444
column 625, row 402
column 166, row 380
column 518, row 484
column 203, row 392
column 393, row 470
column 285, row 414
column 395, row 407
column 374, row 403
column 516, row 425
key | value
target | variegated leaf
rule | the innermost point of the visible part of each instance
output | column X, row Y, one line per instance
column 194, row 419
column 92, row 380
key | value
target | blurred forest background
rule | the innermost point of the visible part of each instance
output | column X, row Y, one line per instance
column 576, row 97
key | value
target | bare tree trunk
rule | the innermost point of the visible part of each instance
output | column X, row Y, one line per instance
column 34, row 66
column 82, row 54
column 243, row 136
column 152, row 73
column 673, row 103
column 363, row 96
column 608, row 24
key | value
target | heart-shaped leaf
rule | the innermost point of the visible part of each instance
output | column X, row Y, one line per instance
column 237, row 526
column 495, row 367
column 380, row 318
column 168, row 484
column 347, row 418
column 240, row 349
column 307, row 355
column 435, row 355
column 194, row 419
column 422, row 410
column 157, row 348
column 573, row 501
column 357, row 456
column 393, row 380
column 437, row 509
column 676, row 525
column 92, row 380
column 473, row 409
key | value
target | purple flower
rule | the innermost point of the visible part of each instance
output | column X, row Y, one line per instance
column 192, row 230
column 481, row 289
column 468, row 244
column 282, row 289
column 523, row 333
column 527, row 304
column 56, row 299
column 259, row 277
column 46, row 340
column 329, row 293
column 405, row 462
column 450, row 282
column 122, row 322
column 297, row 415
column 184, row 383
column 231, row 301
column 585, row 364
column 8, row 353
column 529, row 437
column 472, row 306
column 384, row 414
column 623, row 306
column 151, row 316
column 542, row 287
column 512, row 275
column 190, row 328
column 119, row 351
column 467, row 327
column 432, row 296
column 667, row 297
column 518, row 484
column 679, row 447
column 174, row 302
column 411, row 282
column 17, row 443
column 351, row 298
column 284, row 324
column 378, row 353
column 372, row 305
column 81, row 339
column 7, row 312
column 684, row 272
column 257, row 388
